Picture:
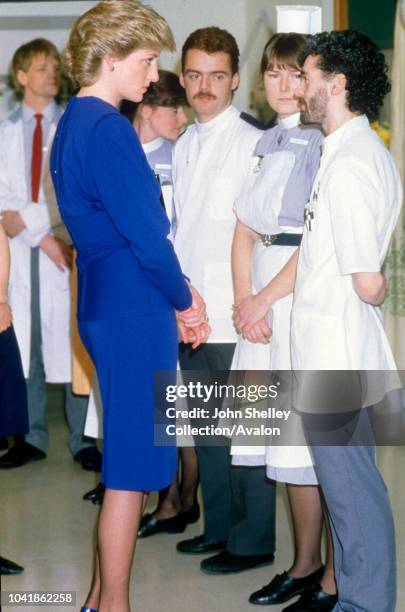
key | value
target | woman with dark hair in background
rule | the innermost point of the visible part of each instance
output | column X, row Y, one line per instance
column 158, row 121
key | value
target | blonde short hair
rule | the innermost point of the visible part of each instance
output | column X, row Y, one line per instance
column 117, row 27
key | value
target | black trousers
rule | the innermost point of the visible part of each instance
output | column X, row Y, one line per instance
column 239, row 502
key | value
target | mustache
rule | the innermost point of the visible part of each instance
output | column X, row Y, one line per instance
column 202, row 94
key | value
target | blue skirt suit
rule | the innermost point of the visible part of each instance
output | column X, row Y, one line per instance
column 129, row 282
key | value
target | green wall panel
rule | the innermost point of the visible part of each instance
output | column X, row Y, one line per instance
column 375, row 18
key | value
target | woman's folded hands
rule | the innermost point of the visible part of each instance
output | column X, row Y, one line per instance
column 250, row 318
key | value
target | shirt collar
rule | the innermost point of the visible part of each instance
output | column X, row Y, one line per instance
column 152, row 145
column 333, row 140
column 289, row 122
column 210, row 126
column 48, row 112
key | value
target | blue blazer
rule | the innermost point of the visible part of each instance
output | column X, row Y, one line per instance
column 109, row 200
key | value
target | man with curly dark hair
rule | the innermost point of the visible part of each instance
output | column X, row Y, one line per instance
column 336, row 323
column 363, row 66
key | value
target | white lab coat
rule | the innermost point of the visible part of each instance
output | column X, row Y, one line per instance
column 210, row 165
column 356, row 200
column 40, row 218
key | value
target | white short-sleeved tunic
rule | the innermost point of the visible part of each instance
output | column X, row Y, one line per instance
column 355, row 203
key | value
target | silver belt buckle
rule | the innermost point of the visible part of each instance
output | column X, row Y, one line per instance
column 267, row 239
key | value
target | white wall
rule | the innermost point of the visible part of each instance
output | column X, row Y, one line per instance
column 185, row 16
column 22, row 21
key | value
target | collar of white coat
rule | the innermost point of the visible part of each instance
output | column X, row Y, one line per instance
column 289, row 122
column 335, row 139
column 152, row 145
column 49, row 112
column 209, row 127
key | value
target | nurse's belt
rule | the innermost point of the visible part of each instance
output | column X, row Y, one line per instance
column 299, row 18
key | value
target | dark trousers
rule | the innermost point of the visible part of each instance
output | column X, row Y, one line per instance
column 75, row 405
column 239, row 502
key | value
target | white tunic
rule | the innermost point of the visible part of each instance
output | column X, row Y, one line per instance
column 356, row 200
column 211, row 163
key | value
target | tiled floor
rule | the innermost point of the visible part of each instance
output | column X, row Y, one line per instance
column 45, row 526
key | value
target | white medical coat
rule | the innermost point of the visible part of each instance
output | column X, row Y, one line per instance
column 210, row 165
column 40, row 218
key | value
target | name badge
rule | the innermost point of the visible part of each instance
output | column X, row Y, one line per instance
column 257, row 162
column 309, row 213
column 299, row 141
column 308, row 217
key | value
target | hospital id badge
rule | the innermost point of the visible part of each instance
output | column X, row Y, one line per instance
column 308, row 217
column 309, row 213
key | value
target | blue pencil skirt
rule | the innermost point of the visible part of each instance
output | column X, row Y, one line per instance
column 127, row 352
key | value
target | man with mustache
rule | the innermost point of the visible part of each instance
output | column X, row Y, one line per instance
column 211, row 162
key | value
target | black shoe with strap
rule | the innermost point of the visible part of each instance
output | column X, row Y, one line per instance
column 284, row 587
column 315, row 600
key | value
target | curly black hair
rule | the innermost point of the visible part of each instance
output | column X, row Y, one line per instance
column 356, row 56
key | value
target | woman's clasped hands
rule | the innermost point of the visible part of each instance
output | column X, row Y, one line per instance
column 193, row 322
column 250, row 318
